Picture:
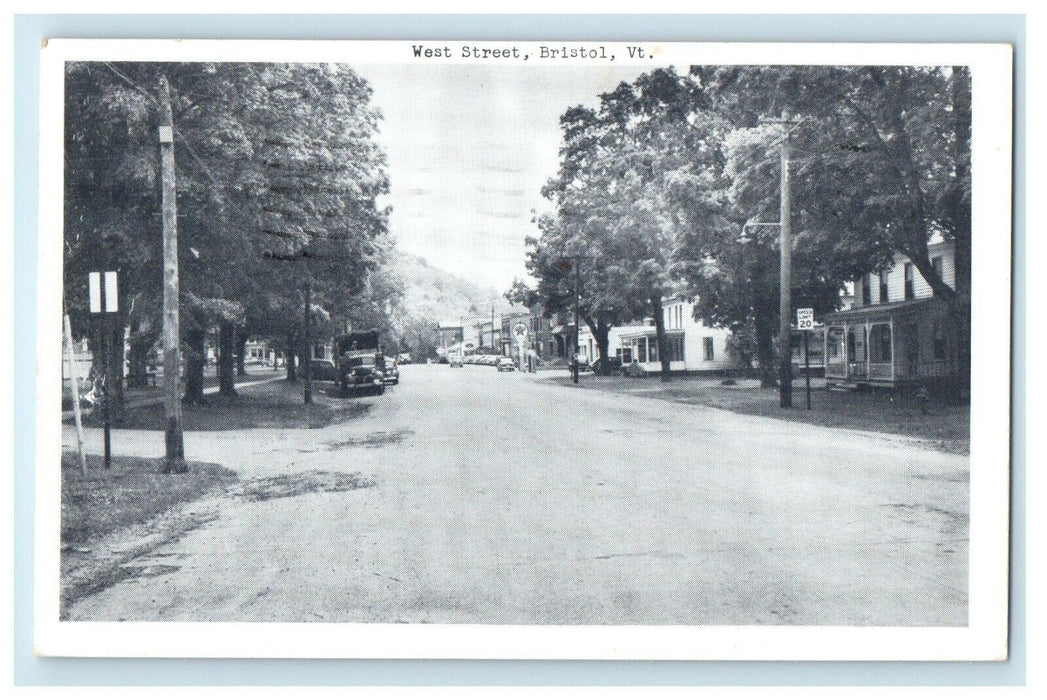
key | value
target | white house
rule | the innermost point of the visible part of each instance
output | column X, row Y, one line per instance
column 692, row 345
column 896, row 332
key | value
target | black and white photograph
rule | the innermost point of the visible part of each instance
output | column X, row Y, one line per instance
column 667, row 351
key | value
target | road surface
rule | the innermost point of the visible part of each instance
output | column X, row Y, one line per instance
column 498, row 498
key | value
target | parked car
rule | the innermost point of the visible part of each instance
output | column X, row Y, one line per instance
column 614, row 365
column 505, row 364
column 391, row 373
column 323, row 370
column 455, row 360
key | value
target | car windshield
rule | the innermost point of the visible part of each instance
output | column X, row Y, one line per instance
column 361, row 362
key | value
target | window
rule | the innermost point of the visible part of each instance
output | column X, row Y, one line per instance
column 675, row 348
column 641, row 350
column 910, row 291
column 866, row 289
column 883, row 286
column 940, row 346
column 938, row 265
column 707, row 349
column 880, row 343
column 319, row 352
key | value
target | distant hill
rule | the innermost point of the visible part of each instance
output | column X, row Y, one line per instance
column 438, row 295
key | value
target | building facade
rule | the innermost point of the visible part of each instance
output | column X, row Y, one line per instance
column 896, row 332
column 692, row 346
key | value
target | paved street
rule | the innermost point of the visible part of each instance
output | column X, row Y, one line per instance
column 499, row 498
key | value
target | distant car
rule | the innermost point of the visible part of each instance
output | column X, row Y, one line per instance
column 391, row 374
column 456, row 361
column 404, row 358
column 323, row 370
column 505, row 364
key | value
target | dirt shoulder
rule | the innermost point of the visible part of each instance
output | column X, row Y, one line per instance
column 116, row 523
column 945, row 426
column 111, row 516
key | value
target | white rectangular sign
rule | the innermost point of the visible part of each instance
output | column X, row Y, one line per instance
column 111, row 298
column 94, row 291
column 805, row 319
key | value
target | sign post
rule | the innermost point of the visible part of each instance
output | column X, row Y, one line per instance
column 104, row 303
column 805, row 323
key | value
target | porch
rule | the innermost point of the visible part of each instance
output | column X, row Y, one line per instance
column 642, row 348
column 908, row 342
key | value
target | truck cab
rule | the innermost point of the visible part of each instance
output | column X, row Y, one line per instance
column 361, row 363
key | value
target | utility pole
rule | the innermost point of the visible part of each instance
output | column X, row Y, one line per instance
column 175, row 459
column 307, row 361
column 577, row 302
column 785, row 367
column 785, row 380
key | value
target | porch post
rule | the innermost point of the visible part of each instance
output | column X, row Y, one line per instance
column 894, row 351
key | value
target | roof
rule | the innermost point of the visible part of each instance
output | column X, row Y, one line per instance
column 880, row 309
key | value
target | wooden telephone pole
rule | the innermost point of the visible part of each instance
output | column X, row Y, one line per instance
column 175, row 458
column 307, row 361
column 785, row 378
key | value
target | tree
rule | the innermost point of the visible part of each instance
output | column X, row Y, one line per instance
column 281, row 158
column 883, row 167
column 611, row 206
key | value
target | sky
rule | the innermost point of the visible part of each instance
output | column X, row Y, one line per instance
column 469, row 149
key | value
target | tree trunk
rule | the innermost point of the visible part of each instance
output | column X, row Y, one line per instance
column 663, row 338
column 241, row 349
column 138, row 356
column 765, row 328
column 602, row 335
column 291, row 374
column 960, row 89
column 195, row 358
column 226, row 359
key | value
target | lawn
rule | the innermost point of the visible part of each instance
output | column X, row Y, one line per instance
column 132, row 491
column 275, row 404
column 946, row 425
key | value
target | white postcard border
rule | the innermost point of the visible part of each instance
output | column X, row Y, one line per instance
column 984, row 638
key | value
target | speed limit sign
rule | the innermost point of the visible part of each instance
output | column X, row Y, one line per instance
column 804, row 319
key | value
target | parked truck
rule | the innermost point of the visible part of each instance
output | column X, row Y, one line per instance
column 361, row 363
